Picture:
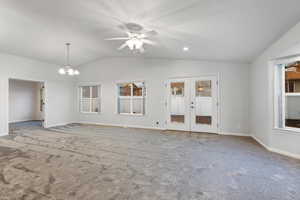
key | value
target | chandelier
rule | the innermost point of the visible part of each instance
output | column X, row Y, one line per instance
column 68, row 69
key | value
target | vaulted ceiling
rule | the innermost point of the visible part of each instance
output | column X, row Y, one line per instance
column 231, row 30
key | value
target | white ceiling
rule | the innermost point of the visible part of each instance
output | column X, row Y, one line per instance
column 223, row 30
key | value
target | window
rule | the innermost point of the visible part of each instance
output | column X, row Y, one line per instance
column 177, row 89
column 287, row 95
column 131, row 98
column 203, row 88
column 90, row 99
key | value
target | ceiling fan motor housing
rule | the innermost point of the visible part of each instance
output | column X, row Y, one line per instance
column 133, row 27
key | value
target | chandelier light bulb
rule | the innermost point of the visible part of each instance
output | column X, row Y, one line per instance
column 130, row 44
column 62, row 71
column 76, row 72
column 71, row 72
column 185, row 48
column 138, row 44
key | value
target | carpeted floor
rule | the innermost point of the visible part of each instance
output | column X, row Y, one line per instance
column 19, row 126
column 80, row 162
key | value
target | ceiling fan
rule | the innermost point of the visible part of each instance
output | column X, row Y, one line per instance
column 137, row 37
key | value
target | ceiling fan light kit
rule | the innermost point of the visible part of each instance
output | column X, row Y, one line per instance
column 68, row 69
column 136, row 38
column 185, row 49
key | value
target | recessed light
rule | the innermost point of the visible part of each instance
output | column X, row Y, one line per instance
column 185, row 49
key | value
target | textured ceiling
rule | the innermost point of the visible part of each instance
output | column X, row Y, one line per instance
column 231, row 30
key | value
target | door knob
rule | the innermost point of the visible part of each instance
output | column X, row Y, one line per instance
column 192, row 107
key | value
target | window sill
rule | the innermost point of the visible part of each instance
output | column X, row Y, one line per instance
column 89, row 113
column 133, row 115
column 295, row 131
column 292, row 94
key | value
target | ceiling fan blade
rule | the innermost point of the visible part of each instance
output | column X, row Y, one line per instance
column 122, row 26
column 122, row 46
column 151, row 33
column 148, row 42
column 129, row 34
column 118, row 38
column 142, row 36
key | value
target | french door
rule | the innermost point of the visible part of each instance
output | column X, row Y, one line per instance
column 193, row 104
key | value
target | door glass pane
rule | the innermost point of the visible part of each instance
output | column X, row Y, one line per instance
column 203, row 102
column 203, row 120
column 177, row 89
column 203, row 88
column 177, row 102
column 177, row 118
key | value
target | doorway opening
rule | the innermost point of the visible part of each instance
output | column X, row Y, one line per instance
column 193, row 104
column 26, row 105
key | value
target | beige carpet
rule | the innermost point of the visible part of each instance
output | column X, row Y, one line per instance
column 109, row 163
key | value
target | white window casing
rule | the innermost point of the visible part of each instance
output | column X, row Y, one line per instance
column 131, row 98
column 90, row 102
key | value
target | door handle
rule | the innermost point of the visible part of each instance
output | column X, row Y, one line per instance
column 192, row 107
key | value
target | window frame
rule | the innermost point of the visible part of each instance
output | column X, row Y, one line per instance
column 91, row 98
column 278, row 67
column 131, row 98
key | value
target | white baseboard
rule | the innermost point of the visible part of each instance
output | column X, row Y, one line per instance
column 144, row 127
column 285, row 153
column 261, row 143
column 3, row 134
column 59, row 124
column 274, row 150
column 23, row 120
column 235, row 134
column 153, row 128
column 122, row 125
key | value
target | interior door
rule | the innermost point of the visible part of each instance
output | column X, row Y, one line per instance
column 204, row 104
column 178, row 105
